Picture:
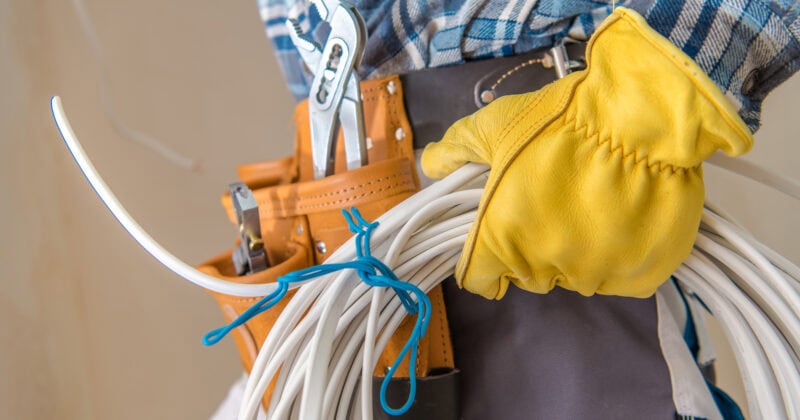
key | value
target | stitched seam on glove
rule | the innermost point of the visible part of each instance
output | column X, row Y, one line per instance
column 516, row 148
column 595, row 138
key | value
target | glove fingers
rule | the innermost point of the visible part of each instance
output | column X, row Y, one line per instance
column 475, row 138
column 481, row 271
column 463, row 142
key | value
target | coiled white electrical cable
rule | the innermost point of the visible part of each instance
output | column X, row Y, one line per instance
column 327, row 339
column 752, row 292
column 405, row 245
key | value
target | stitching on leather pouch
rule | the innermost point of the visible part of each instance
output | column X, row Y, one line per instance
column 405, row 183
column 270, row 204
column 345, row 190
column 372, row 89
column 441, row 333
column 373, row 98
column 660, row 167
column 353, row 198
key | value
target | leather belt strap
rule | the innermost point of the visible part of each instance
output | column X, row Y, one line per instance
column 435, row 98
column 382, row 179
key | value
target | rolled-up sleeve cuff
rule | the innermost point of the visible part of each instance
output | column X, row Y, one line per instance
column 746, row 47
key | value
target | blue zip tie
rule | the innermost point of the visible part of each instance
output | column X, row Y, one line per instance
column 372, row 272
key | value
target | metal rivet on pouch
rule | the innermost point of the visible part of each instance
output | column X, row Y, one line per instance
column 399, row 134
column 369, row 143
column 321, row 248
column 487, row 96
column 299, row 229
column 391, row 87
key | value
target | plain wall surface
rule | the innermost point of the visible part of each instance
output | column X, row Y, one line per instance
column 92, row 327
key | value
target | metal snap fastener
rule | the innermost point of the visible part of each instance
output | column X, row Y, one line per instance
column 321, row 248
column 391, row 87
column 487, row 96
column 399, row 134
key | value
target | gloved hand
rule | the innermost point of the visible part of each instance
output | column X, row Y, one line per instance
column 596, row 182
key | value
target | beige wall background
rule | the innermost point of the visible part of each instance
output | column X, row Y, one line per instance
column 90, row 326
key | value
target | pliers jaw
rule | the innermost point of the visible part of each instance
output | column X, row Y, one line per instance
column 249, row 257
column 334, row 99
column 309, row 50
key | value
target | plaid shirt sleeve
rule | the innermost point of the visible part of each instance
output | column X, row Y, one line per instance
column 746, row 46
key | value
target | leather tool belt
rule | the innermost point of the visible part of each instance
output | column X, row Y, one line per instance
column 301, row 222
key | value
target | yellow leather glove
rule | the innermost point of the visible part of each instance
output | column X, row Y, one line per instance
column 596, row 182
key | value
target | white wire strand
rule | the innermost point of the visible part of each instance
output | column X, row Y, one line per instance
column 140, row 235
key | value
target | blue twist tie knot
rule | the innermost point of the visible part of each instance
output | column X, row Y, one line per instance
column 372, row 272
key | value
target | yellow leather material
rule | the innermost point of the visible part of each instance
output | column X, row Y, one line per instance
column 297, row 213
column 596, row 182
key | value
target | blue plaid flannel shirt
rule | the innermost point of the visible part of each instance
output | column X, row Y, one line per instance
column 746, row 46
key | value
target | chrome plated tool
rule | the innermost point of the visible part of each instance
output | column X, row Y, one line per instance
column 249, row 257
column 335, row 99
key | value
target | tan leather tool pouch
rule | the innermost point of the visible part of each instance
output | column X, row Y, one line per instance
column 302, row 224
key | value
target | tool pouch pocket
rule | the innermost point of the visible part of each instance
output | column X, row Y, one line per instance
column 302, row 224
